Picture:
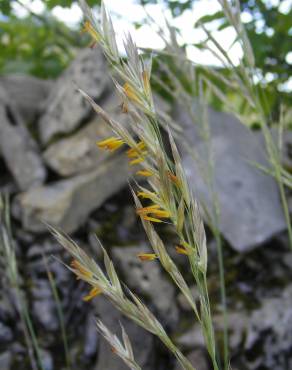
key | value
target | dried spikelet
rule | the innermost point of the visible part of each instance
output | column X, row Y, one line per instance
column 180, row 216
column 165, row 259
column 147, row 256
column 122, row 349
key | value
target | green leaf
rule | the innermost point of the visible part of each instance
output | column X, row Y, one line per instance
column 210, row 18
column 5, row 7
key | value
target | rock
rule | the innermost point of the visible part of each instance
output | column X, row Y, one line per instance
column 198, row 359
column 269, row 335
column 5, row 361
column 44, row 306
column 45, row 313
column 66, row 108
column 287, row 150
column 27, row 93
column 79, row 153
column 47, row 360
column 191, row 339
column 91, row 339
column 7, row 185
column 238, row 184
column 67, row 203
column 182, row 301
column 7, row 311
column 47, row 248
column 142, row 341
column 260, row 339
column 24, row 237
column 237, row 324
column 18, row 149
column 147, row 279
column 6, row 334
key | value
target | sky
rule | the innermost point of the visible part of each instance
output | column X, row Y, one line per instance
column 126, row 12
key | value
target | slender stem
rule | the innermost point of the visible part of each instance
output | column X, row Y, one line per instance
column 284, row 204
column 59, row 312
column 27, row 337
column 216, row 232
column 212, row 335
column 31, row 330
column 276, row 164
column 223, row 298
column 207, row 324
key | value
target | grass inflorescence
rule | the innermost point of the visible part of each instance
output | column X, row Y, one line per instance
column 166, row 197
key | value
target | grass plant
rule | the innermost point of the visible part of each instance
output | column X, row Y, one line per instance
column 12, row 282
column 165, row 199
column 9, row 264
column 242, row 79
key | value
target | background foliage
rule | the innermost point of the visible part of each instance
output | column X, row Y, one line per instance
column 42, row 46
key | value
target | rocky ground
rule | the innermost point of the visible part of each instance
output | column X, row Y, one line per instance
column 50, row 166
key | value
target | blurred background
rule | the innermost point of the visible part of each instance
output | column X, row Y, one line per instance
column 52, row 171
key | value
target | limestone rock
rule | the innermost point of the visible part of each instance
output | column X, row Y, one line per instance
column 47, row 360
column 148, row 280
column 66, row 108
column 237, row 323
column 269, row 328
column 193, row 338
column 91, row 337
column 251, row 211
column 44, row 305
column 67, row 203
column 79, row 153
column 198, row 359
column 27, row 93
column 182, row 301
column 5, row 360
column 18, row 149
column 6, row 334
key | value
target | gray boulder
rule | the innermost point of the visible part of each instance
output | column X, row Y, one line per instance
column 6, row 334
column 67, row 203
column 44, row 305
column 5, row 360
column 91, row 337
column 17, row 147
column 148, row 280
column 251, row 211
column 27, row 93
column 66, row 107
column 237, row 325
column 198, row 359
column 79, row 153
column 269, row 328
